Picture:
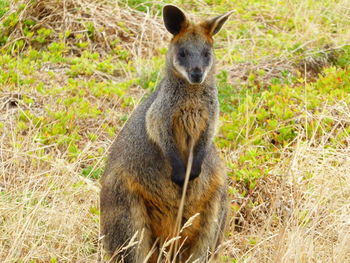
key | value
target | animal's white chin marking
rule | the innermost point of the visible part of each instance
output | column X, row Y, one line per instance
column 196, row 83
column 181, row 70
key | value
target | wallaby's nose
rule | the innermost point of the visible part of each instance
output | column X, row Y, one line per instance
column 196, row 75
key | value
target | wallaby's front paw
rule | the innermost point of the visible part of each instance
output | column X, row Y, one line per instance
column 196, row 170
column 178, row 174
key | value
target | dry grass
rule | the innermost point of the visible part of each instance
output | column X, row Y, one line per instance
column 303, row 214
column 104, row 24
column 275, row 36
column 47, row 210
column 301, row 211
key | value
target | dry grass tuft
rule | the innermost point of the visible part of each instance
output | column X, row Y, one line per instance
column 47, row 209
column 103, row 24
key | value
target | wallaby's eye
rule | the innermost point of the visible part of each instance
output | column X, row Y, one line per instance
column 182, row 53
column 206, row 53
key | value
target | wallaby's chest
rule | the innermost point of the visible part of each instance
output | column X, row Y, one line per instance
column 189, row 121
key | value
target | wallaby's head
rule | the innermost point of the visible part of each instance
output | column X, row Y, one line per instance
column 190, row 53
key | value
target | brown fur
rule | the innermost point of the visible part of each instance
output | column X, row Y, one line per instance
column 161, row 216
column 191, row 29
column 189, row 122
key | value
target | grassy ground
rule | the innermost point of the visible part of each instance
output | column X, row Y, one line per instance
column 72, row 72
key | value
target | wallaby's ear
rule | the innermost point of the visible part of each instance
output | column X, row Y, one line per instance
column 174, row 19
column 214, row 25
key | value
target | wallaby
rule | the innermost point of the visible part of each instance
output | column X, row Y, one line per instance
column 145, row 172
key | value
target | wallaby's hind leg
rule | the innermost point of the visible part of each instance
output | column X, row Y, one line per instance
column 222, row 222
column 213, row 220
column 126, row 237
column 205, row 243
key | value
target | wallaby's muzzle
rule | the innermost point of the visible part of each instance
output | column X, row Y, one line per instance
column 196, row 76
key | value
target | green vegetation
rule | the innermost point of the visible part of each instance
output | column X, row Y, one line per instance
column 4, row 6
column 66, row 90
column 265, row 119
